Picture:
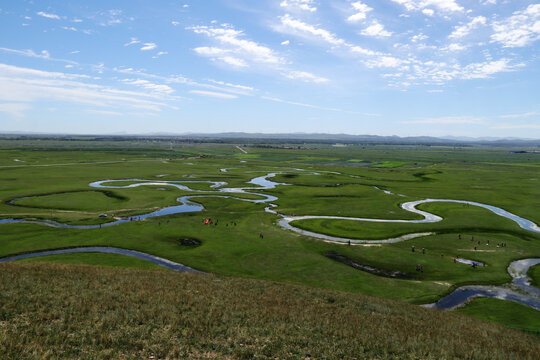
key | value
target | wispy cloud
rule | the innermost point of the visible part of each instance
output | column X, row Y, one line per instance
column 26, row 85
column 145, row 84
column 305, row 76
column 295, row 103
column 464, row 30
column 376, row 30
column 360, row 13
column 132, row 41
column 213, row 94
column 448, row 120
column 233, row 45
column 234, row 50
column 442, row 5
column 533, row 126
column 517, row 116
column 299, row 28
column 148, row 46
column 305, row 5
column 30, row 53
column 519, row 30
column 15, row 110
column 48, row 15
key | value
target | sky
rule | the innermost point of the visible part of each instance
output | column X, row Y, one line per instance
column 379, row 67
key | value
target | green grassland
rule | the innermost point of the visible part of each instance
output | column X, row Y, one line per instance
column 508, row 313
column 55, row 311
column 56, row 177
column 534, row 274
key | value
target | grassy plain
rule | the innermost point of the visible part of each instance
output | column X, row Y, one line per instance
column 57, row 175
column 81, row 312
column 508, row 313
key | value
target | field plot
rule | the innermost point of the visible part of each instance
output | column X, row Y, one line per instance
column 217, row 209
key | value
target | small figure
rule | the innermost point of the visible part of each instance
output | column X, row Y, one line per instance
column 423, row 250
column 412, row 248
column 459, row 236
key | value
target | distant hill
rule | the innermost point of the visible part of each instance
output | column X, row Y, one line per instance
column 292, row 138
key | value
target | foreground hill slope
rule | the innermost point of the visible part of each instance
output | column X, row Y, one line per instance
column 67, row 311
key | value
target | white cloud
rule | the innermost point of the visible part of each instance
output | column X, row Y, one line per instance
column 464, row 30
column 160, row 53
column 520, row 29
column 454, row 47
column 442, row 5
column 30, row 53
column 361, row 11
column 15, row 110
column 375, row 30
column 298, row 27
column 386, row 62
column 48, row 15
column 148, row 46
column 428, row 12
column 25, row 85
column 240, row 52
column 175, row 23
column 419, row 37
column 305, row 76
column 448, row 120
column 486, row 69
column 234, row 61
column 132, row 42
column 111, row 17
column 175, row 79
column 306, row 5
column 145, row 84
column 286, row 42
column 213, row 94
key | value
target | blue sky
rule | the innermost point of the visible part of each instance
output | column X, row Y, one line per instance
column 381, row 67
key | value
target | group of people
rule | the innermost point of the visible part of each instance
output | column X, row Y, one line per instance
column 209, row 221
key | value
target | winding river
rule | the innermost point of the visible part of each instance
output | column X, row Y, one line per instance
column 519, row 290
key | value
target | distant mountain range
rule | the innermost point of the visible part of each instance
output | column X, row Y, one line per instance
column 300, row 137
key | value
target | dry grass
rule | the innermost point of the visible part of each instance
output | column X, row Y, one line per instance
column 81, row 312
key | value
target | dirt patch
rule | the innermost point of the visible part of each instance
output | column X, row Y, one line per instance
column 189, row 242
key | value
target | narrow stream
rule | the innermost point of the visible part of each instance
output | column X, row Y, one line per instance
column 519, row 290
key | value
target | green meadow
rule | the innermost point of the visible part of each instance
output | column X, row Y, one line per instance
column 52, row 179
